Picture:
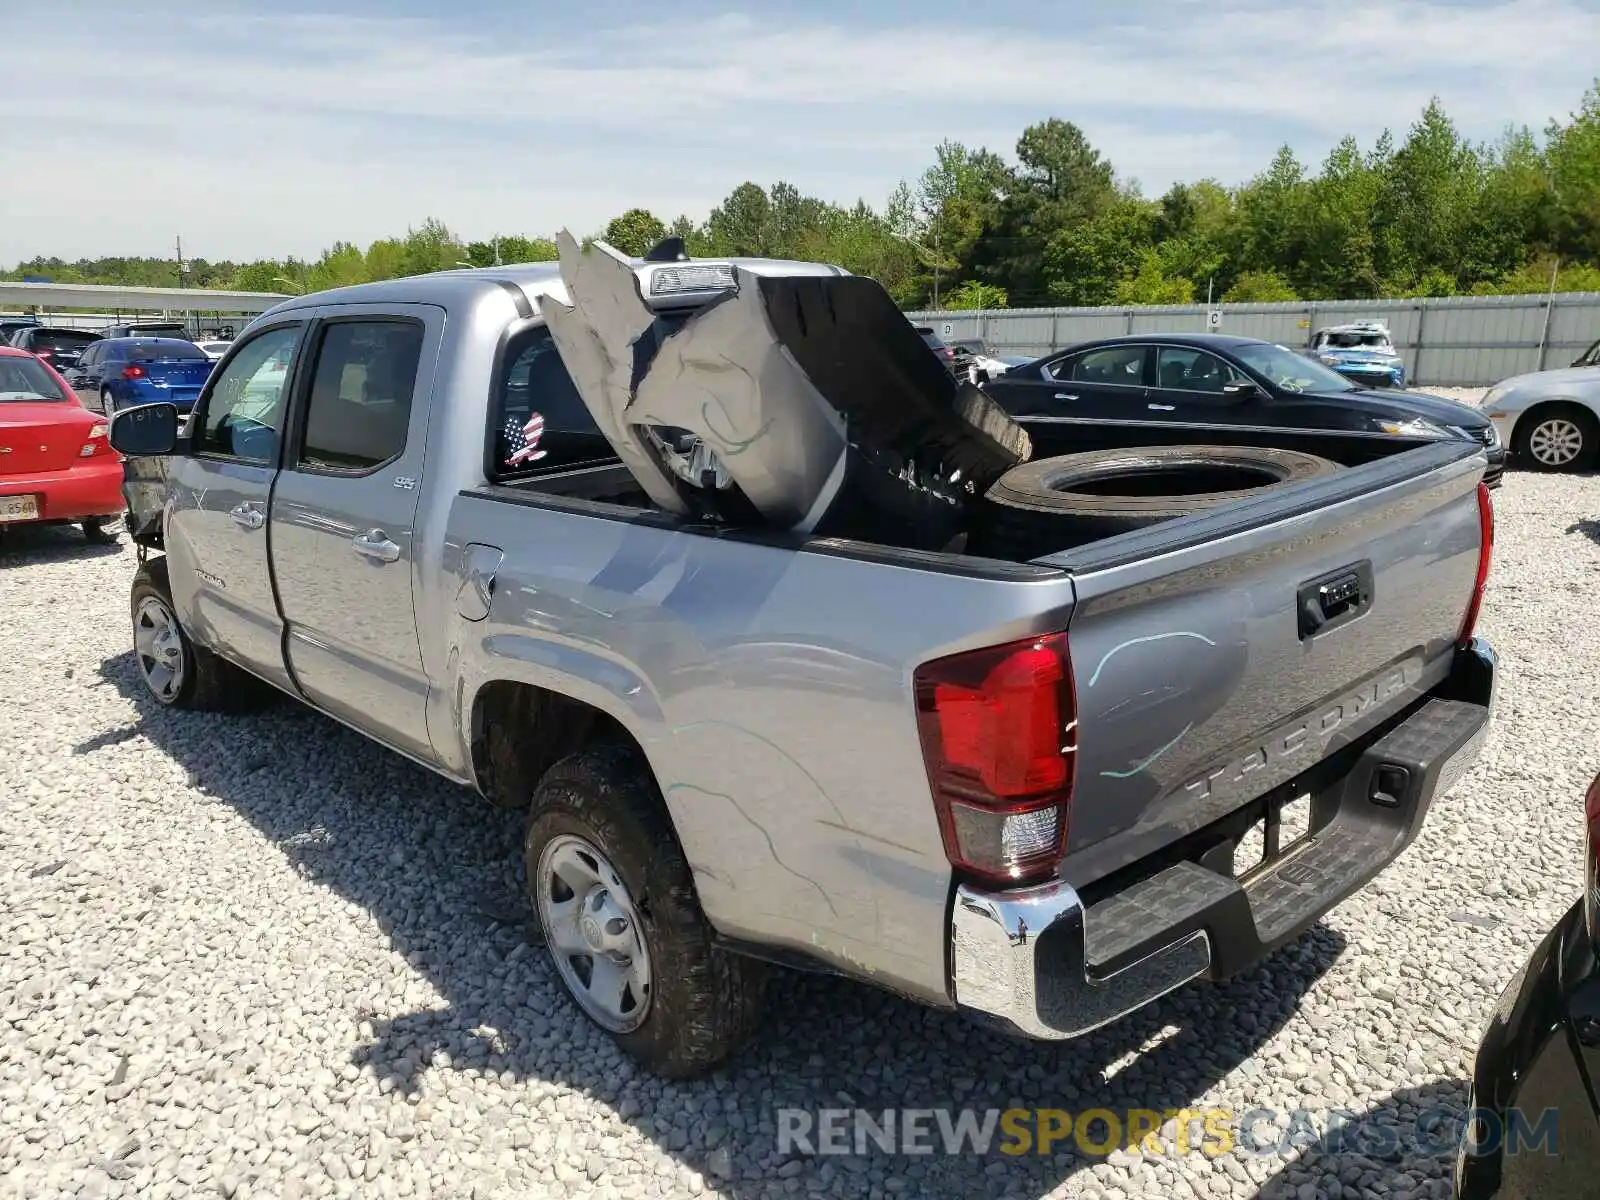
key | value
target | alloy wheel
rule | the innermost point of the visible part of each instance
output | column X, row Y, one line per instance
column 592, row 930
column 158, row 647
column 1555, row 442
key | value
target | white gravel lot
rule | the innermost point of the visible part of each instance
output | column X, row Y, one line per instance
column 258, row 956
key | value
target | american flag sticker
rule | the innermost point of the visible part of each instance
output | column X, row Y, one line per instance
column 522, row 439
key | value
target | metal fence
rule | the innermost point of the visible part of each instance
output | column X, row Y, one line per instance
column 195, row 322
column 1463, row 341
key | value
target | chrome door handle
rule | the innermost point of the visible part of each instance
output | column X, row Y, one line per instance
column 1065, row 396
column 376, row 544
column 249, row 518
column 1161, row 408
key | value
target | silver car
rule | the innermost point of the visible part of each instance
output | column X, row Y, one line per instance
column 1551, row 419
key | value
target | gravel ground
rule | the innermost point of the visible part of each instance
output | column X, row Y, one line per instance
column 257, row 956
column 1467, row 395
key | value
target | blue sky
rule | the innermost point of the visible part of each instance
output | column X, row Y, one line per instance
column 268, row 129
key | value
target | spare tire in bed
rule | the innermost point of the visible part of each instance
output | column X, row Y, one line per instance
column 1058, row 503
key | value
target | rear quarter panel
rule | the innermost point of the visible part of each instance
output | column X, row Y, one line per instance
column 771, row 691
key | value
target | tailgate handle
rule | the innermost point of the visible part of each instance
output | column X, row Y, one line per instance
column 1333, row 599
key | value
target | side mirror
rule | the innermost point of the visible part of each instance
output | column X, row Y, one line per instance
column 150, row 429
column 1241, row 389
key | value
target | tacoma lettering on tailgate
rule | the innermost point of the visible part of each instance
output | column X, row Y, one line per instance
column 1305, row 739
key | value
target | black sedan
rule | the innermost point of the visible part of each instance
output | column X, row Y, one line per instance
column 1533, row 1131
column 1169, row 385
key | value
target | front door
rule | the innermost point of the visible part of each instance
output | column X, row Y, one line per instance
column 219, row 495
column 344, row 515
column 85, row 376
column 1189, row 390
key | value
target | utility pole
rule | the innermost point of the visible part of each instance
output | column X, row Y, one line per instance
column 938, row 250
column 1549, row 303
column 180, row 262
column 497, row 261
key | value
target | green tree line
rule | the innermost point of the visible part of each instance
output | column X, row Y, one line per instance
column 1429, row 214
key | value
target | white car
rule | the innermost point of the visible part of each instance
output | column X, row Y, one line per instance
column 1551, row 419
column 985, row 365
column 214, row 350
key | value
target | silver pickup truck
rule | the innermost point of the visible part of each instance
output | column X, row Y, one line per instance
column 1014, row 788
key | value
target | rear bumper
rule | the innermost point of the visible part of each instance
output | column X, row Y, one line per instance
column 1540, row 1053
column 1497, row 467
column 1046, row 964
column 92, row 489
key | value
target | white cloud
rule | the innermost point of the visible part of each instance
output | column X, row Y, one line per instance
column 268, row 134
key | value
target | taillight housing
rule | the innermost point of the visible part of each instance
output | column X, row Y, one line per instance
column 133, row 371
column 97, row 441
column 1469, row 624
column 999, row 738
column 1591, row 862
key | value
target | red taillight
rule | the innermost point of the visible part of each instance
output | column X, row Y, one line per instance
column 133, row 371
column 97, row 443
column 999, row 737
column 1485, row 556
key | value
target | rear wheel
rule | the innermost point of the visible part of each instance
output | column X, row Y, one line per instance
column 108, row 403
column 1558, row 437
column 100, row 530
column 616, row 901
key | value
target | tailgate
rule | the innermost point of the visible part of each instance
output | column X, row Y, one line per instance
column 1202, row 680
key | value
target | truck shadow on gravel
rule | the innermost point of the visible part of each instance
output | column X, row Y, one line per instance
column 1588, row 528
column 1404, row 1146
column 31, row 546
column 440, row 872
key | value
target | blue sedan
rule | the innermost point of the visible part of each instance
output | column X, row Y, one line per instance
column 120, row 373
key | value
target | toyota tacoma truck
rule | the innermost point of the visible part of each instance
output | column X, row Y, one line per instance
column 435, row 509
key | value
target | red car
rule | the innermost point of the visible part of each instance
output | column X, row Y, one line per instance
column 56, row 464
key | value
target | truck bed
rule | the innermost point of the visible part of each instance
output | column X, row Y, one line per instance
column 769, row 677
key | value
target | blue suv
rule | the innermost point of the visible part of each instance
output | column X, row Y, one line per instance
column 1362, row 352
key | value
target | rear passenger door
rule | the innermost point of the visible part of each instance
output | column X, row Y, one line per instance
column 1086, row 387
column 344, row 518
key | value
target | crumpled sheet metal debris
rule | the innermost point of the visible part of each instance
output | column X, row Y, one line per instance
column 787, row 381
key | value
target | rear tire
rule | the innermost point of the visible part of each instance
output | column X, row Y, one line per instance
column 176, row 672
column 108, row 403
column 100, row 531
column 1557, row 437
column 1057, row 503
column 692, row 1006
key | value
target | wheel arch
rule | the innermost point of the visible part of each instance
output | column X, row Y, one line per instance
column 518, row 730
column 1540, row 408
